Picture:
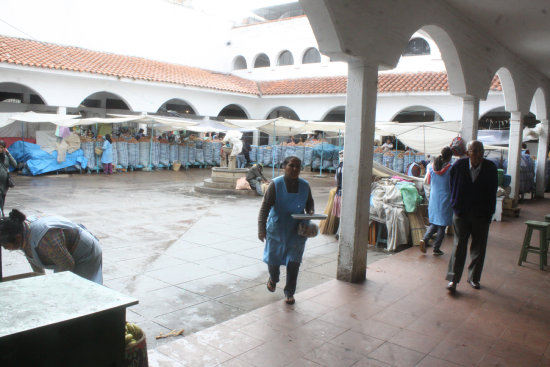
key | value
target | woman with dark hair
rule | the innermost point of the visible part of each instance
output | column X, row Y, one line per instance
column 6, row 160
column 439, row 207
column 286, row 195
column 53, row 243
column 107, row 155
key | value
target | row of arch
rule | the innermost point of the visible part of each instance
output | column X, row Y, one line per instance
column 416, row 47
column 15, row 93
column 285, row 57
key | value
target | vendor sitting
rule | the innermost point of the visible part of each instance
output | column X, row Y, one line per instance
column 416, row 169
column 255, row 178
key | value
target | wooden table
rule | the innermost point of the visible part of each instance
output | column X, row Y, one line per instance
column 61, row 320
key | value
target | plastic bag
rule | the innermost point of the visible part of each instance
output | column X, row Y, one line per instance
column 242, row 184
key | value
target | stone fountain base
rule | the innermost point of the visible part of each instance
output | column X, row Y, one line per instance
column 223, row 181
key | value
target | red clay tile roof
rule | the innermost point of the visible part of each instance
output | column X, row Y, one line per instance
column 50, row 56
column 46, row 55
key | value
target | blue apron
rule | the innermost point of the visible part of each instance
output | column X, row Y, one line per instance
column 283, row 244
column 107, row 156
column 439, row 207
column 87, row 254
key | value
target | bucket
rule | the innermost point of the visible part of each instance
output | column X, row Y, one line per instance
column 136, row 355
column 176, row 166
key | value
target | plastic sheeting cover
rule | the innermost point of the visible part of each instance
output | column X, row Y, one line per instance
column 39, row 161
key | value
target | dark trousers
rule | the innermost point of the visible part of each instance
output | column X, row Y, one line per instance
column 466, row 227
column 438, row 238
column 291, row 276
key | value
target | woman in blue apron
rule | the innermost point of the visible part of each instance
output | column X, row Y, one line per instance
column 286, row 195
column 439, row 207
column 53, row 243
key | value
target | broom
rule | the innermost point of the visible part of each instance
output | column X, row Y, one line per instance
column 417, row 227
column 329, row 225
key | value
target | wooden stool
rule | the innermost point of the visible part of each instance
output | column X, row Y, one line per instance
column 543, row 228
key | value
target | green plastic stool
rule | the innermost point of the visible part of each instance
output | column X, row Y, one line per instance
column 543, row 228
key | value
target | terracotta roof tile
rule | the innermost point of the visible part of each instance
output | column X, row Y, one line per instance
column 46, row 55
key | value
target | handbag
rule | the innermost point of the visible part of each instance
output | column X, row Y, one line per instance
column 98, row 150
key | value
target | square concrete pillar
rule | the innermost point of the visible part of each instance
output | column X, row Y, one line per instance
column 514, row 151
column 542, row 153
column 357, row 171
column 470, row 118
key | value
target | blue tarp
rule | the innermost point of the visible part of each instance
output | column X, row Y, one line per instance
column 39, row 161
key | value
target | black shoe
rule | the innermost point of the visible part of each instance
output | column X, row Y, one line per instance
column 474, row 285
column 451, row 287
column 437, row 252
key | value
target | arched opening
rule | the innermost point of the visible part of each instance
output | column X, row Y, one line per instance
column 262, row 61
column 177, row 108
column 105, row 100
column 232, row 111
column 19, row 93
column 285, row 58
column 417, row 47
column 239, row 63
column 285, row 112
column 417, row 114
column 311, row 56
column 337, row 114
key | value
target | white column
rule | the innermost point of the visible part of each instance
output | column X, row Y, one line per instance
column 255, row 137
column 470, row 118
column 514, row 151
column 358, row 152
column 61, row 110
column 542, row 153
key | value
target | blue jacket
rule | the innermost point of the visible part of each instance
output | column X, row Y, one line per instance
column 474, row 198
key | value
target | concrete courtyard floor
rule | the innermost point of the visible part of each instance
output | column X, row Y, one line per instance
column 192, row 260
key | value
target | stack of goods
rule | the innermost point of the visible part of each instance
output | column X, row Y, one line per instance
column 387, row 160
column 208, row 153
column 144, row 153
column 98, row 143
column 324, row 155
column 253, row 153
column 115, row 153
column 199, row 155
column 308, row 155
column 155, row 156
column 87, row 145
column 290, row 151
column 191, row 151
column 300, row 153
column 267, row 156
column 216, row 149
column 408, row 158
column 378, row 155
column 164, row 156
column 133, row 153
column 183, row 154
column 419, row 157
column 398, row 162
column 122, row 153
column 259, row 155
column 173, row 154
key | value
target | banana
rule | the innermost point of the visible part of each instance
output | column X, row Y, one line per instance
column 128, row 338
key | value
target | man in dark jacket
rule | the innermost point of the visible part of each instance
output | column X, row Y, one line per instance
column 474, row 184
column 255, row 177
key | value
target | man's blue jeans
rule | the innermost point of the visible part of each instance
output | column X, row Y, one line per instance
column 438, row 238
column 256, row 185
column 241, row 161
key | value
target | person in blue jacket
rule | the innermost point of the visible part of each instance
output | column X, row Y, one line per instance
column 439, row 207
column 286, row 195
column 107, row 156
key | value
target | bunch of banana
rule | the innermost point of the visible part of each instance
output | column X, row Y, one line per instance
column 133, row 334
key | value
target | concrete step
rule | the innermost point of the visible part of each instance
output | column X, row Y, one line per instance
column 218, row 185
column 214, row 191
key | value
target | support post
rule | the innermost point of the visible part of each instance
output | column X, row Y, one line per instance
column 470, row 118
column 542, row 154
column 514, row 151
column 357, row 171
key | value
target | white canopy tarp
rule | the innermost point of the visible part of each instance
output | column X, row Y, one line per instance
column 276, row 127
column 427, row 137
column 33, row 117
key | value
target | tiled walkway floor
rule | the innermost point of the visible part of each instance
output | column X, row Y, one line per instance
column 401, row 316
